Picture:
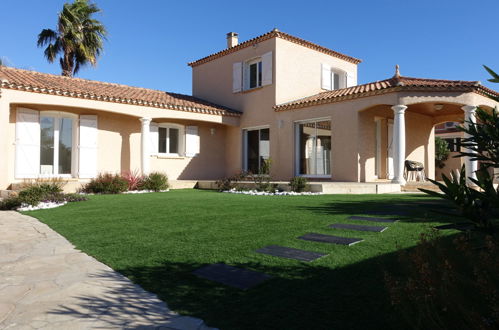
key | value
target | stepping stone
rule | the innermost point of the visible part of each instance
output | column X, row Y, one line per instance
column 239, row 278
column 330, row 239
column 377, row 229
column 290, row 253
column 354, row 217
column 463, row 226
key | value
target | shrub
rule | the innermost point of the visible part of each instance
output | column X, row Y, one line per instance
column 106, row 183
column 155, row 181
column 134, row 180
column 50, row 185
column 263, row 178
column 32, row 195
column 230, row 182
column 441, row 152
column 298, row 184
column 447, row 285
column 10, row 203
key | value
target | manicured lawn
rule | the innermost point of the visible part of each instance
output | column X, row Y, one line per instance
column 158, row 239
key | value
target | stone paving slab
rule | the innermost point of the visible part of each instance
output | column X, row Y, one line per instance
column 239, row 278
column 321, row 238
column 45, row 283
column 290, row 253
column 376, row 229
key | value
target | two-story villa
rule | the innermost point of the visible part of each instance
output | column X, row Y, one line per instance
column 274, row 97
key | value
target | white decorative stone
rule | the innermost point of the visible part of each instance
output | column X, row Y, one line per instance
column 276, row 193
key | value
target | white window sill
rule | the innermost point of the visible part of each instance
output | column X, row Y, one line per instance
column 168, row 156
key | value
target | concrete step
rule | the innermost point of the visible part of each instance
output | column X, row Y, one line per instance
column 7, row 193
column 414, row 187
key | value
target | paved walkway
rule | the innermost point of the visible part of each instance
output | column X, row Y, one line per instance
column 45, row 283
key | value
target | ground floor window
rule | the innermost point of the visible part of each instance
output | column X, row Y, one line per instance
column 256, row 149
column 314, row 147
column 56, row 145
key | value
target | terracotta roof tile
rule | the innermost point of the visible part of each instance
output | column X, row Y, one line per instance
column 36, row 82
column 275, row 34
column 386, row 86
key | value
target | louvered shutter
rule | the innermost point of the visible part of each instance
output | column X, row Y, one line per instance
column 192, row 143
column 27, row 143
column 351, row 79
column 237, row 77
column 88, row 146
column 267, row 69
column 154, row 137
column 326, row 76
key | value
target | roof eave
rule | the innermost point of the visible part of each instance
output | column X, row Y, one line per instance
column 269, row 35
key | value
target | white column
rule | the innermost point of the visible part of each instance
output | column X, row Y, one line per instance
column 471, row 165
column 145, row 142
column 399, row 142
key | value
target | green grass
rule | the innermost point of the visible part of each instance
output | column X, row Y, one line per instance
column 158, row 239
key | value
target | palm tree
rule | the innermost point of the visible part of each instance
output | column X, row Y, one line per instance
column 78, row 38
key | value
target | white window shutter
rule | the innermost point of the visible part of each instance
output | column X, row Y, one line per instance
column 351, row 79
column 27, row 143
column 154, row 136
column 326, row 77
column 88, row 146
column 192, row 143
column 267, row 69
column 237, row 77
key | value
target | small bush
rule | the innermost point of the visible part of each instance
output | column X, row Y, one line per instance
column 298, row 184
column 106, row 183
column 32, row 195
column 51, row 185
column 263, row 178
column 10, row 203
column 230, row 182
column 155, row 181
column 134, row 179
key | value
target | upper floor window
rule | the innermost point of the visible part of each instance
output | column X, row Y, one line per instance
column 333, row 78
column 253, row 73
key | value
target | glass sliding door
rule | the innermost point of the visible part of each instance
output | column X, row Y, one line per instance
column 257, row 149
column 56, row 145
column 314, row 148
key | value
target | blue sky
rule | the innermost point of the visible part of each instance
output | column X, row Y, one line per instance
column 151, row 41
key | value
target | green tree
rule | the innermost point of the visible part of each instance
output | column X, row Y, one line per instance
column 441, row 152
column 78, row 38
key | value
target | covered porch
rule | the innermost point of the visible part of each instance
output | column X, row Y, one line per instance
column 395, row 134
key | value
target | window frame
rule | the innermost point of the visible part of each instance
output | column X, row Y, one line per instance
column 342, row 79
column 181, row 140
column 245, row 144
column 58, row 115
column 297, row 151
column 247, row 73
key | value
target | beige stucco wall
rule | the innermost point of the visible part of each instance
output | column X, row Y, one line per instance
column 298, row 70
column 119, row 146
